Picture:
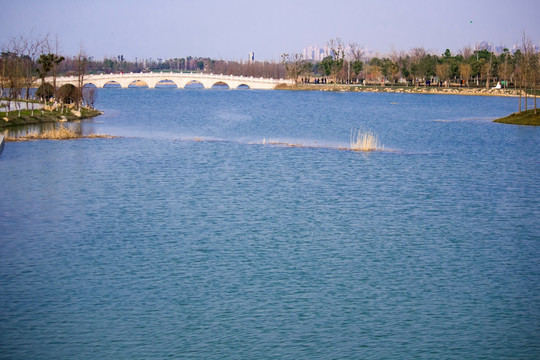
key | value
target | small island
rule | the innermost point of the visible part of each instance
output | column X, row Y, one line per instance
column 29, row 96
column 40, row 116
column 46, row 115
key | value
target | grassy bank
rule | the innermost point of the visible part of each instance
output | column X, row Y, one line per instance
column 27, row 117
column 523, row 118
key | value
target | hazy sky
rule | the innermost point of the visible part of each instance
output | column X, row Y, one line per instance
column 230, row 29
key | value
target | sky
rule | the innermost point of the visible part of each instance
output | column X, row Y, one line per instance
column 231, row 29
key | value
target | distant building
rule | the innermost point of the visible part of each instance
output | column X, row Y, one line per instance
column 315, row 53
column 251, row 57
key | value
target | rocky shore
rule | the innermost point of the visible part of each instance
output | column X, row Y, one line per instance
column 407, row 89
column 447, row 91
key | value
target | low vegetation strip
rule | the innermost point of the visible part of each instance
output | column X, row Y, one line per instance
column 522, row 118
column 61, row 133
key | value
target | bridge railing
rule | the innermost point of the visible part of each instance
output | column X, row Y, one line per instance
column 183, row 75
column 171, row 75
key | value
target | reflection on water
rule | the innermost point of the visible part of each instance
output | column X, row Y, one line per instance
column 21, row 131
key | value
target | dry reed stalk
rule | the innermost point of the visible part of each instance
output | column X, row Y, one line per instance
column 62, row 133
column 362, row 140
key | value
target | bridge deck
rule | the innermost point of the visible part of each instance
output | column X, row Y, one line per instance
column 180, row 79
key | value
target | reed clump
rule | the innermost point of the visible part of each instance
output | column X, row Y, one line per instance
column 364, row 140
column 60, row 133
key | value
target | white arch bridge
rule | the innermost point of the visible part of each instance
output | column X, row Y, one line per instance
column 168, row 78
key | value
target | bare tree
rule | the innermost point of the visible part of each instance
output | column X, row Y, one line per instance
column 403, row 60
column 295, row 66
column 356, row 51
column 27, row 50
column 417, row 55
column 466, row 52
column 13, row 73
column 527, row 58
column 443, row 72
column 356, row 56
column 519, row 72
column 3, row 78
column 529, row 67
column 81, row 69
column 16, row 65
column 392, row 71
column 51, row 60
column 89, row 95
column 338, row 55
column 505, row 70
column 465, row 72
column 534, row 74
column 487, row 70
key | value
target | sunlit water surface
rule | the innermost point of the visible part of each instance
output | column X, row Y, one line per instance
column 189, row 238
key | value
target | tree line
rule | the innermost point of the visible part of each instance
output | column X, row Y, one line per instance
column 118, row 64
column 25, row 60
column 419, row 67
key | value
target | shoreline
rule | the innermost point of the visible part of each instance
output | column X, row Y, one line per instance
column 13, row 120
column 405, row 90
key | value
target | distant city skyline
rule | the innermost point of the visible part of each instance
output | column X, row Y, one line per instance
column 231, row 30
column 318, row 53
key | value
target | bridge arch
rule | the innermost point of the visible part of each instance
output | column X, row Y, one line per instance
column 194, row 84
column 89, row 85
column 112, row 84
column 138, row 84
column 166, row 83
column 220, row 85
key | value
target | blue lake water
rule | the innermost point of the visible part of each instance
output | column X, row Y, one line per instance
column 154, row 245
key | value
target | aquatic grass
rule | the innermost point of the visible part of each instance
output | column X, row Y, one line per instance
column 364, row 140
column 360, row 140
column 60, row 133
